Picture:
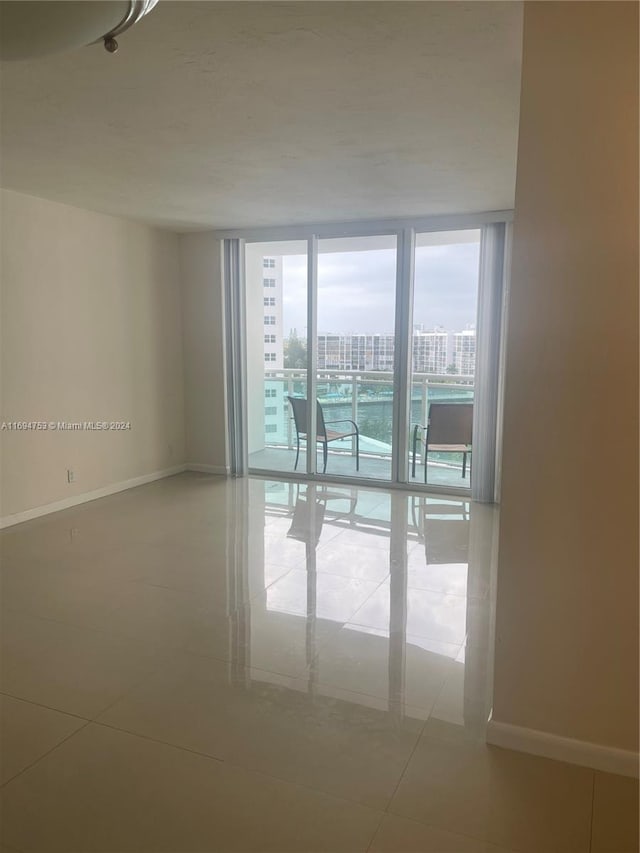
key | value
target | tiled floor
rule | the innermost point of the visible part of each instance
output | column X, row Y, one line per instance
column 217, row 665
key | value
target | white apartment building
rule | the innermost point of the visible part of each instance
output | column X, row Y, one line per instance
column 430, row 352
column 337, row 351
column 272, row 302
column 334, row 352
column 275, row 405
column 376, row 351
column 464, row 352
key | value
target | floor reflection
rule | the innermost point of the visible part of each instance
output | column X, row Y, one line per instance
column 329, row 647
column 310, row 633
column 385, row 595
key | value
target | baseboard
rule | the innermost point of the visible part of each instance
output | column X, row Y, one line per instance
column 207, row 469
column 85, row 497
column 609, row 759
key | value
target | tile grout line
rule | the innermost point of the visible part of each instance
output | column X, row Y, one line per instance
column 445, row 681
column 158, row 654
column 411, row 754
column 155, row 649
column 376, row 832
column 188, row 749
column 146, row 677
column 483, row 841
column 232, row 764
column 45, row 754
column 47, row 707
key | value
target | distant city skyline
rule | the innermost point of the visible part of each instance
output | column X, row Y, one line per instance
column 356, row 290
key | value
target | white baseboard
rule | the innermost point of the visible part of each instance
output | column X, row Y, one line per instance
column 609, row 759
column 85, row 497
column 207, row 469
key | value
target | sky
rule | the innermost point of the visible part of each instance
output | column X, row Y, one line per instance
column 356, row 290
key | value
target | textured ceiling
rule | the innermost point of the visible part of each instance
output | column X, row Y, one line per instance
column 237, row 114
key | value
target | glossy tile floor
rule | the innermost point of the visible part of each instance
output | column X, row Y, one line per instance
column 215, row 665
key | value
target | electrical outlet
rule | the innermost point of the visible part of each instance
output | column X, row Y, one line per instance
column 71, row 477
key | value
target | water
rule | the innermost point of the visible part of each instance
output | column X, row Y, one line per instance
column 374, row 411
column 375, row 417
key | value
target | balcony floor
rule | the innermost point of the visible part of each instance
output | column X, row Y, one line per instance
column 371, row 467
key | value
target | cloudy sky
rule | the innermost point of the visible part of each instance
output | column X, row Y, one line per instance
column 356, row 290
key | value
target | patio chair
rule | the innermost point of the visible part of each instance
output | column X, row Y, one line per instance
column 444, row 526
column 449, row 429
column 307, row 521
column 323, row 435
column 310, row 508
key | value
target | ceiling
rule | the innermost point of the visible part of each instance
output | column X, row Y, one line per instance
column 224, row 115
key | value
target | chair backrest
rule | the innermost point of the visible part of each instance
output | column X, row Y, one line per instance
column 307, row 521
column 299, row 406
column 446, row 531
column 450, row 423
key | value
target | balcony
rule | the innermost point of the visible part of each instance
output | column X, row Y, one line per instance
column 367, row 399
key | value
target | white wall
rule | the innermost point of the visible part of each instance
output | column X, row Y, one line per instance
column 203, row 329
column 567, row 606
column 91, row 330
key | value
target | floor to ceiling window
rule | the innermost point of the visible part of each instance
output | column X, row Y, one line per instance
column 379, row 344
column 355, row 354
column 443, row 356
column 276, row 350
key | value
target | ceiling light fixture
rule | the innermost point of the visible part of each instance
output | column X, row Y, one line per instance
column 40, row 27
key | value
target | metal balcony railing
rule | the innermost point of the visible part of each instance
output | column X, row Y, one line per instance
column 357, row 389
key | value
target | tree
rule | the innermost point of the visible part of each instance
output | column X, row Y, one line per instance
column 451, row 368
column 295, row 351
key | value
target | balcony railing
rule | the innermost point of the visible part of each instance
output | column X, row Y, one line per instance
column 365, row 397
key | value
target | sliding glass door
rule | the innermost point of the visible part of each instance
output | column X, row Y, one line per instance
column 352, row 352
column 443, row 357
column 384, row 347
column 355, row 354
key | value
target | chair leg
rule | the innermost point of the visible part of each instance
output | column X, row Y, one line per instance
column 426, row 456
column 325, row 453
column 357, row 451
column 295, row 467
column 413, row 460
column 414, row 515
column 464, row 465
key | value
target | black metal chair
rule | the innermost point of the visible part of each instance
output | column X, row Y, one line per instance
column 323, row 435
column 311, row 506
column 449, row 429
column 444, row 528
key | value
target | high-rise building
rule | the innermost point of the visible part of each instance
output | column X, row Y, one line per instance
column 430, row 351
column 383, row 351
column 272, row 301
column 334, row 352
column 376, row 351
column 338, row 351
column 274, row 393
column 464, row 352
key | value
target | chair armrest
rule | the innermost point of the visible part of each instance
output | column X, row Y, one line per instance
column 344, row 421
